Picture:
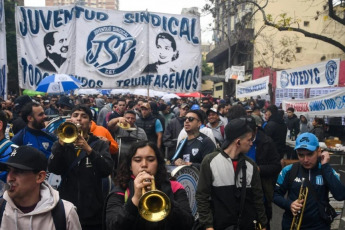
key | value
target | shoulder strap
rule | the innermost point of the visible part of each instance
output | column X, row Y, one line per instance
column 293, row 173
column 222, row 130
column 2, row 208
column 243, row 192
column 59, row 216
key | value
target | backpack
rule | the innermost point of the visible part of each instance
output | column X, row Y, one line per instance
column 58, row 214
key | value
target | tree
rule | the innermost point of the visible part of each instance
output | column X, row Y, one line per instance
column 11, row 46
column 206, row 69
column 287, row 23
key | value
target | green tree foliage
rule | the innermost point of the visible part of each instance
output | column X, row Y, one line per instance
column 206, row 69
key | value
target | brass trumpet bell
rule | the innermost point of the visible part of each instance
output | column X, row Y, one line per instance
column 68, row 132
column 154, row 205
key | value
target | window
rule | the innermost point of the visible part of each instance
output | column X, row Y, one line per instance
column 306, row 23
column 298, row 49
column 218, row 88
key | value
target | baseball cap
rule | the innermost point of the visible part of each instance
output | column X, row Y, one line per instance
column 234, row 129
column 195, row 107
column 146, row 105
column 212, row 110
column 66, row 101
column 26, row 158
column 307, row 141
column 248, row 108
column 184, row 105
column 21, row 101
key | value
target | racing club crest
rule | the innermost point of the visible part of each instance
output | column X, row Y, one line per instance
column 284, row 79
column 331, row 72
column 110, row 49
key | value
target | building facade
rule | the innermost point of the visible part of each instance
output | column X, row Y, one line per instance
column 258, row 46
column 104, row 4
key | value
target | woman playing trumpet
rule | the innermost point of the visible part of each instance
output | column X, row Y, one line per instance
column 142, row 164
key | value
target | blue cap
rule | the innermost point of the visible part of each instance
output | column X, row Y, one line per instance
column 307, row 141
column 195, row 107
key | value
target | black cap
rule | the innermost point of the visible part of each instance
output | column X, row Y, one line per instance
column 234, row 129
column 26, row 158
column 66, row 101
column 21, row 101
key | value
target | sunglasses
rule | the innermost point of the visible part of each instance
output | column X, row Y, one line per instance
column 190, row 119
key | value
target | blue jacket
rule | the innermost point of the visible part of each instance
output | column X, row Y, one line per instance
column 323, row 179
column 35, row 138
column 5, row 152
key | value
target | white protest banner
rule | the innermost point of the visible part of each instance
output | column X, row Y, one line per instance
column 252, row 88
column 3, row 55
column 109, row 49
column 323, row 74
column 332, row 104
column 237, row 72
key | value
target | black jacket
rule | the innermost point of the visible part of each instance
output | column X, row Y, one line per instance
column 277, row 129
column 124, row 215
column 293, row 125
column 83, row 183
column 268, row 160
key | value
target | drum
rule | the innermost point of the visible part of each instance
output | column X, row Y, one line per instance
column 188, row 176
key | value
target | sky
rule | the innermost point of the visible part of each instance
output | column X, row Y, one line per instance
column 160, row 6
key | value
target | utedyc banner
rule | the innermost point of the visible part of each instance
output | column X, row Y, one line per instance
column 108, row 48
column 323, row 74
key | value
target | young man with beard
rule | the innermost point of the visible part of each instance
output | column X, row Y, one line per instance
column 224, row 198
column 33, row 135
column 192, row 149
column 82, row 165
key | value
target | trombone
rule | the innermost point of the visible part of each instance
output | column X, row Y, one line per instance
column 154, row 205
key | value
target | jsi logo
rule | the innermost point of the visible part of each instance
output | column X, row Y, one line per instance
column 110, row 49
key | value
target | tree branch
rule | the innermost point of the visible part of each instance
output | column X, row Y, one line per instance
column 289, row 28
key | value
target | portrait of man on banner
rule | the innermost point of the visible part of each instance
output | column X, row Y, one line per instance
column 167, row 54
column 56, row 48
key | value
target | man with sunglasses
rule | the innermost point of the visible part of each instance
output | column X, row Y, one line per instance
column 320, row 178
column 30, row 202
column 192, row 149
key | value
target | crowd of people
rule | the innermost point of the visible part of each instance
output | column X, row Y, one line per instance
column 107, row 150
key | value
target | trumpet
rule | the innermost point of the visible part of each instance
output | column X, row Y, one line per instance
column 257, row 225
column 297, row 220
column 154, row 205
column 68, row 132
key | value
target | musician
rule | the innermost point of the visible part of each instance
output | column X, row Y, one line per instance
column 128, row 133
column 143, row 163
column 82, row 169
column 313, row 166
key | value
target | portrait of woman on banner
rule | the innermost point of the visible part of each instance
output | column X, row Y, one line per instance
column 167, row 54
